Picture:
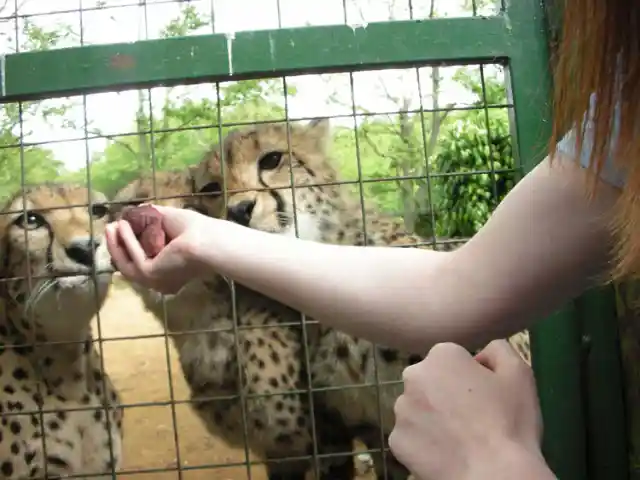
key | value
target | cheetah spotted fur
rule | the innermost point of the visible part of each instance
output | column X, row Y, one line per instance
column 61, row 415
column 257, row 164
column 260, row 379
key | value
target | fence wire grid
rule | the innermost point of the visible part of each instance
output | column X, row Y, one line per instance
column 428, row 147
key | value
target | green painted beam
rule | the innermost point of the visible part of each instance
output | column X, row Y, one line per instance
column 202, row 58
column 607, row 445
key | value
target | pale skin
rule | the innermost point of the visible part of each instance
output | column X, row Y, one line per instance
column 546, row 243
column 481, row 415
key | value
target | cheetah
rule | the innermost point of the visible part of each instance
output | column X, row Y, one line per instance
column 61, row 415
column 258, row 166
column 250, row 369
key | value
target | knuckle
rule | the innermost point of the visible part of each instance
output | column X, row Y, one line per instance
column 399, row 443
column 499, row 347
column 411, row 372
column 393, row 441
column 397, row 407
column 505, row 352
column 446, row 350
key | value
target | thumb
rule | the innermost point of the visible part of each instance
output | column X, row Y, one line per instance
column 171, row 218
column 160, row 208
column 497, row 355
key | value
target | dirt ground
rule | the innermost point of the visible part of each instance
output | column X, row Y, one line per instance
column 140, row 369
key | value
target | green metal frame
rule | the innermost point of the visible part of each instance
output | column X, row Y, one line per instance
column 579, row 381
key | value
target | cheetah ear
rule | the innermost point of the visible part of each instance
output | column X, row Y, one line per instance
column 208, row 165
column 319, row 130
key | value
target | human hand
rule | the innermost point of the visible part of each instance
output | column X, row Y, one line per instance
column 175, row 264
column 462, row 417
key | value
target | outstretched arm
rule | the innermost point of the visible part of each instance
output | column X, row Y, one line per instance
column 543, row 245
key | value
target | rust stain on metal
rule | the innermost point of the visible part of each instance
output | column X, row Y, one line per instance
column 122, row 61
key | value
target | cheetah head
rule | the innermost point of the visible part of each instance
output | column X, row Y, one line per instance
column 51, row 243
column 172, row 189
column 258, row 164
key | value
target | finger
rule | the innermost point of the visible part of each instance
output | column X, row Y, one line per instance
column 399, row 407
column 499, row 354
column 162, row 209
column 443, row 359
column 117, row 242
column 399, row 439
column 413, row 372
column 411, row 453
column 131, row 244
column 449, row 354
column 118, row 255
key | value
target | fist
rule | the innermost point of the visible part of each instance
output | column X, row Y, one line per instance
column 146, row 224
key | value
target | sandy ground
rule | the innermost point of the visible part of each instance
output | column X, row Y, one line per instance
column 141, row 369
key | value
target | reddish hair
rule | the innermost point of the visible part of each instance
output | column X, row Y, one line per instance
column 599, row 53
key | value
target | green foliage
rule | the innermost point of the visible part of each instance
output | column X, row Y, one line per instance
column 186, row 127
column 472, row 151
column 396, row 150
column 29, row 164
column 368, row 157
column 466, row 197
column 39, row 165
column 188, row 21
column 391, row 155
column 181, row 134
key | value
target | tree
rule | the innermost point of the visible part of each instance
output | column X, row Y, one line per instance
column 400, row 147
column 476, row 158
column 19, row 162
column 178, row 133
column 36, row 163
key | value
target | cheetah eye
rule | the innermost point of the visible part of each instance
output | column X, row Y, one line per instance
column 270, row 161
column 99, row 210
column 30, row 220
column 211, row 188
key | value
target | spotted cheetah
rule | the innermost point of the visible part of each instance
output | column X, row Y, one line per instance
column 61, row 415
column 258, row 166
column 250, row 369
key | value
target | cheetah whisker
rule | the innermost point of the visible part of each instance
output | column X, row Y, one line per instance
column 285, row 215
column 290, row 217
column 42, row 288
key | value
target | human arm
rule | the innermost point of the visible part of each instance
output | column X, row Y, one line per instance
column 542, row 246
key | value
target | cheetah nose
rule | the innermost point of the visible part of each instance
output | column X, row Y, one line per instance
column 241, row 213
column 82, row 251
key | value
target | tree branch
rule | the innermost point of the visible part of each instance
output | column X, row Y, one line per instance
column 113, row 138
column 373, row 145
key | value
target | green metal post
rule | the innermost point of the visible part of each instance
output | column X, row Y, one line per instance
column 605, row 406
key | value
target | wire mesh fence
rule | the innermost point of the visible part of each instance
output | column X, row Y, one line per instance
column 416, row 156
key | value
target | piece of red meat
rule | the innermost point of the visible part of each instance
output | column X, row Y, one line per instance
column 146, row 223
